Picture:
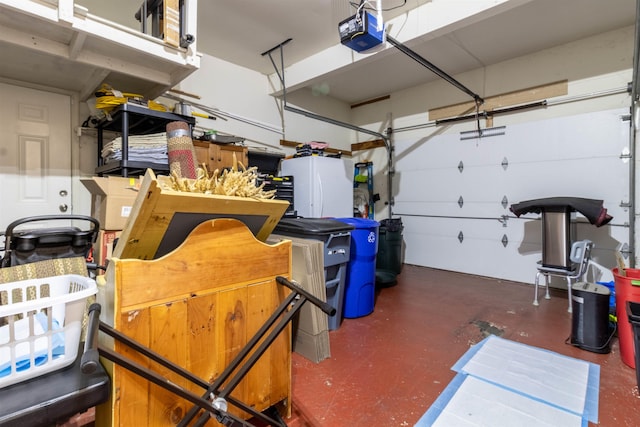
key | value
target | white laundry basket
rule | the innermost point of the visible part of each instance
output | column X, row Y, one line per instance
column 40, row 325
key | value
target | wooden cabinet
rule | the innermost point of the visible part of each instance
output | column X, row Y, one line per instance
column 220, row 156
column 197, row 306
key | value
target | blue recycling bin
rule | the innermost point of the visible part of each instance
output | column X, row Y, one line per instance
column 361, row 269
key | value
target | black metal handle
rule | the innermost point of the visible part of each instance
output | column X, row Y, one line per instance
column 90, row 355
column 95, row 223
column 92, row 266
column 327, row 308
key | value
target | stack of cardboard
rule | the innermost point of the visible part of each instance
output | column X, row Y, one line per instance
column 311, row 334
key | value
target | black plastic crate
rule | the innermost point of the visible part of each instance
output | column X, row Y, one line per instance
column 284, row 190
column 633, row 312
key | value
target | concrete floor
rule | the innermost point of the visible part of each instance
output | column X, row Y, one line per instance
column 387, row 368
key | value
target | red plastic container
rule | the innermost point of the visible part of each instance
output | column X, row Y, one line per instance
column 627, row 289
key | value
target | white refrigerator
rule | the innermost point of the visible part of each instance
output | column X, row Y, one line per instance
column 322, row 186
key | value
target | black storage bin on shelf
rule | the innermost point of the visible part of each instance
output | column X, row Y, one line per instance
column 389, row 258
column 283, row 186
column 267, row 163
column 336, row 236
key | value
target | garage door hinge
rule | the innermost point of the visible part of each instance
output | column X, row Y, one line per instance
column 624, row 204
column 624, row 250
column 505, row 163
column 504, row 202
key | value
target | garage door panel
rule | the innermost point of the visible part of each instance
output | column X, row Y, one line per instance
column 447, row 186
column 481, row 251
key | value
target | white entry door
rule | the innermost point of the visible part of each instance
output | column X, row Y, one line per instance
column 35, row 153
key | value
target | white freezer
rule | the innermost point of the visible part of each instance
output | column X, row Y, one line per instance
column 322, row 186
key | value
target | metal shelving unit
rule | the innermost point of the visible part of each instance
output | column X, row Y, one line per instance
column 363, row 174
column 131, row 119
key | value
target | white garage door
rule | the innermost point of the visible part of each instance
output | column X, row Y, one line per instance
column 454, row 195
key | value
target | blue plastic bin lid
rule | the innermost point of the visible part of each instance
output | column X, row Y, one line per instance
column 312, row 226
column 360, row 222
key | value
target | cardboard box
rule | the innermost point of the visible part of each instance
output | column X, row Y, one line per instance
column 310, row 333
column 112, row 198
column 103, row 248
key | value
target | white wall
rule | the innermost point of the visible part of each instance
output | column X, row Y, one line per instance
column 120, row 11
column 245, row 93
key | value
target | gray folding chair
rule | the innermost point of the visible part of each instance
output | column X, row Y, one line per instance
column 580, row 256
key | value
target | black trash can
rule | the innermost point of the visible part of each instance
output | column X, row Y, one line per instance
column 389, row 258
column 633, row 313
column 336, row 236
column 590, row 317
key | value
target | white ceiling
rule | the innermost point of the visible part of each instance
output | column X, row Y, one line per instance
column 239, row 31
column 247, row 28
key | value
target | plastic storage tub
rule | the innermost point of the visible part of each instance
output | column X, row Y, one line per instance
column 40, row 325
column 359, row 297
column 336, row 236
column 627, row 289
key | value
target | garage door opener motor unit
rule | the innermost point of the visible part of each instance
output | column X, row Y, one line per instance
column 360, row 32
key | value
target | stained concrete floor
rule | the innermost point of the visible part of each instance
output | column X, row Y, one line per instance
column 387, row 368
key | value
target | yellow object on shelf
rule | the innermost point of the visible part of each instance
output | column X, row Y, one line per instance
column 108, row 98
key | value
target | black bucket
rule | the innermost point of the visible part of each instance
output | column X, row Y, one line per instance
column 590, row 317
column 633, row 313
